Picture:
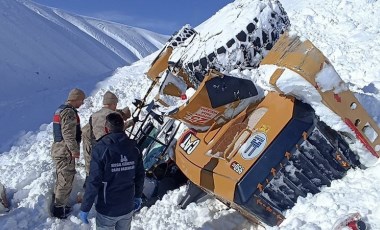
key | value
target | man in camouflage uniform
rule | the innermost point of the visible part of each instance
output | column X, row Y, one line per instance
column 95, row 129
column 4, row 205
column 87, row 147
column 65, row 148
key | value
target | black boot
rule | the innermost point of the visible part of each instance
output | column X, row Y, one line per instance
column 60, row 212
column 68, row 209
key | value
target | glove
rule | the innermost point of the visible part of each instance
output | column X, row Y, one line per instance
column 135, row 119
column 138, row 103
column 83, row 217
column 138, row 202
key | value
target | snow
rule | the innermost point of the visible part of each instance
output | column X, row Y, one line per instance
column 347, row 32
column 328, row 79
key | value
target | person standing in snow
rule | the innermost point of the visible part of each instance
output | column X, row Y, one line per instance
column 65, row 148
column 94, row 129
column 116, row 178
column 4, row 205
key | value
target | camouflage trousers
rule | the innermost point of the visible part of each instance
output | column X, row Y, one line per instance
column 87, row 148
column 88, row 142
column 65, row 172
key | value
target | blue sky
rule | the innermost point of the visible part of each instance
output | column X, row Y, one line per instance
column 165, row 16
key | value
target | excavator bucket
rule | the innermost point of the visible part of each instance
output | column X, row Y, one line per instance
column 307, row 61
column 160, row 63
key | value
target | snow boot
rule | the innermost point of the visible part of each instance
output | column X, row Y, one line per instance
column 61, row 212
column 68, row 209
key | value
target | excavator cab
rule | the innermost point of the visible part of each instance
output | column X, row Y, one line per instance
column 154, row 137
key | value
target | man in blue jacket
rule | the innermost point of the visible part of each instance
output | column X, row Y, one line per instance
column 116, row 178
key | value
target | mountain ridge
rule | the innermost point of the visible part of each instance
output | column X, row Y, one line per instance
column 46, row 49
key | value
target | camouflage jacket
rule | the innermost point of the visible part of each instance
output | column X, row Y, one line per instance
column 68, row 121
column 98, row 122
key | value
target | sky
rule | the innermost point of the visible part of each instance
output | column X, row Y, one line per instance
column 163, row 17
column 350, row 40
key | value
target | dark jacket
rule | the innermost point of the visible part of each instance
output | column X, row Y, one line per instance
column 116, row 176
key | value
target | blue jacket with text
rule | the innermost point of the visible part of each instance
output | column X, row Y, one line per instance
column 116, row 176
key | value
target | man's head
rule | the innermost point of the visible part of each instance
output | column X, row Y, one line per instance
column 110, row 100
column 114, row 123
column 76, row 97
column 125, row 113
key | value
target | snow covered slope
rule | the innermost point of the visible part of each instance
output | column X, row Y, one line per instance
column 44, row 52
column 347, row 32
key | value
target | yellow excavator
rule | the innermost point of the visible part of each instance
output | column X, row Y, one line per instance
column 256, row 151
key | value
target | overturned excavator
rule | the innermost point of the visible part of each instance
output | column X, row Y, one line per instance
column 255, row 150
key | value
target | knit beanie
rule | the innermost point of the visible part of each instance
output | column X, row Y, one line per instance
column 76, row 94
column 109, row 98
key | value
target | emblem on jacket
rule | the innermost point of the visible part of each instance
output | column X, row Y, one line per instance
column 123, row 165
column 123, row 158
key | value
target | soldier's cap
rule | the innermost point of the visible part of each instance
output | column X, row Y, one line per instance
column 76, row 95
column 110, row 98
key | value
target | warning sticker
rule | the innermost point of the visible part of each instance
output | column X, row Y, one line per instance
column 189, row 143
column 202, row 116
column 237, row 167
column 253, row 146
